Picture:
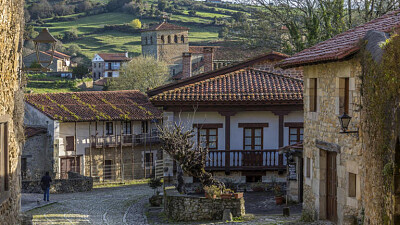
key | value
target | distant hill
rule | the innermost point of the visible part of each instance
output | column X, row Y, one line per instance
column 102, row 25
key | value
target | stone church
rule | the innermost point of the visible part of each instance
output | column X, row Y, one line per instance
column 170, row 43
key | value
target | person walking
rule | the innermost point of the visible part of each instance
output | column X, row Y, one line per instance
column 45, row 182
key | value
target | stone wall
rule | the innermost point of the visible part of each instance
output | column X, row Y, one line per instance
column 190, row 208
column 74, row 183
column 11, row 100
column 322, row 135
column 38, row 157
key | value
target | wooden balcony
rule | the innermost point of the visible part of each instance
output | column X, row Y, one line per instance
column 98, row 141
column 245, row 160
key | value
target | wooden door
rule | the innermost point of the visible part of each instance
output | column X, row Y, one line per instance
column 331, row 181
column 68, row 164
column 107, row 169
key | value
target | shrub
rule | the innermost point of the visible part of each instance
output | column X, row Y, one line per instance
column 136, row 24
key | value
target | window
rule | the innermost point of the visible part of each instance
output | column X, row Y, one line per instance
column 253, row 138
column 352, row 185
column 145, row 127
column 308, row 167
column 169, row 39
column 24, row 167
column 183, row 39
column 109, row 74
column 127, row 127
column 151, row 40
column 313, row 94
column 109, row 128
column 4, row 179
column 176, row 39
column 162, row 39
column 145, row 41
column 295, row 135
column 70, row 140
column 94, row 65
column 343, row 96
column 208, row 138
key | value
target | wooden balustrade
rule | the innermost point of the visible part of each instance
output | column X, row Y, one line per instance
column 244, row 159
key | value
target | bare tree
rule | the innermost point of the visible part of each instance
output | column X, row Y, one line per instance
column 179, row 144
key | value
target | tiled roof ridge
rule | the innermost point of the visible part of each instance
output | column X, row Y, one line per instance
column 83, row 92
column 300, row 58
column 277, row 74
column 54, row 56
column 217, row 72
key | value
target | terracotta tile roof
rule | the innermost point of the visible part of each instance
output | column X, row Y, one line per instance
column 33, row 131
column 95, row 105
column 342, row 45
column 101, row 82
column 165, row 26
column 114, row 57
column 225, row 70
column 59, row 54
column 48, row 54
column 247, row 85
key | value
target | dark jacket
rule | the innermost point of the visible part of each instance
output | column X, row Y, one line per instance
column 45, row 182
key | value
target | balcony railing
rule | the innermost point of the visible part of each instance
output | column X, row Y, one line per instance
column 245, row 159
column 99, row 141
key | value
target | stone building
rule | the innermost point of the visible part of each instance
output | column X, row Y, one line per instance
column 11, row 108
column 106, row 65
column 335, row 174
column 36, row 158
column 105, row 135
column 242, row 113
column 61, row 62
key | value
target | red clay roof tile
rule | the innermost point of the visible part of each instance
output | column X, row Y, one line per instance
column 114, row 57
column 342, row 45
column 95, row 105
column 165, row 26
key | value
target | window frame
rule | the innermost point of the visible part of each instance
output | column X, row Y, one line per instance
column 253, row 138
column 67, row 148
column 344, row 101
column 208, row 136
column 145, row 127
column 298, row 134
column 308, row 167
column 4, row 159
column 108, row 130
column 352, row 190
column 313, row 94
column 125, row 127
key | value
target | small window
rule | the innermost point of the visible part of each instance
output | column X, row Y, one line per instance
column 308, row 167
column 109, row 74
column 145, row 127
column 151, row 40
column 146, row 41
column 208, row 138
column 70, row 140
column 343, row 96
column 253, row 138
column 127, row 127
column 313, row 94
column 4, row 160
column 182, row 39
column 176, row 39
column 162, row 39
column 109, row 128
column 295, row 135
column 94, row 65
column 149, row 159
column 352, row 185
column 169, row 39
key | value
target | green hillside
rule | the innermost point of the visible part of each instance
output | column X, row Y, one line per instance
column 204, row 21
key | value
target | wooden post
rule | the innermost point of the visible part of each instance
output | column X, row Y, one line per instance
column 75, row 169
column 227, row 115
column 90, row 149
column 144, row 154
column 121, row 142
column 104, row 160
column 115, row 150
column 281, row 115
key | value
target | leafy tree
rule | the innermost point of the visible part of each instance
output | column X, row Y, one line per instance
column 162, row 5
column 192, row 12
column 136, row 24
column 80, row 71
column 70, row 35
column 84, row 6
column 116, row 4
column 239, row 16
column 41, row 9
column 74, row 50
column 142, row 73
column 35, row 64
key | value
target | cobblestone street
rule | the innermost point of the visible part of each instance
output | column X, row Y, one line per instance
column 120, row 205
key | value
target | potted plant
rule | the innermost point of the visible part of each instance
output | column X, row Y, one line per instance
column 156, row 199
column 258, row 187
column 227, row 194
column 278, row 194
column 238, row 195
column 212, row 191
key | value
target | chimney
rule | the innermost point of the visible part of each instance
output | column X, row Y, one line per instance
column 208, row 54
column 186, row 65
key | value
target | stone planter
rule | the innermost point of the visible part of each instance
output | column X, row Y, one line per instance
column 279, row 200
column 238, row 195
column 226, row 196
